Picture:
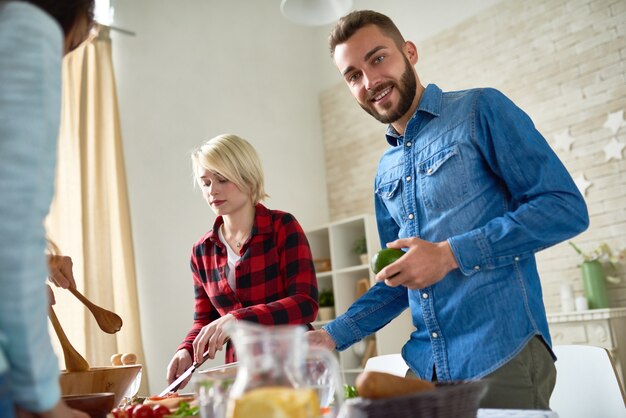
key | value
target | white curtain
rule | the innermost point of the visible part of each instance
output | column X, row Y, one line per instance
column 89, row 218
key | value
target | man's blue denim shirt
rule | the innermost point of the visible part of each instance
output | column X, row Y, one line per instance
column 472, row 169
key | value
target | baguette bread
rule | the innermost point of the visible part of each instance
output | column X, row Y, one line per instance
column 378, row 385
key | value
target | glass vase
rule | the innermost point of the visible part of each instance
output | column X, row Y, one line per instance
column 594, row 284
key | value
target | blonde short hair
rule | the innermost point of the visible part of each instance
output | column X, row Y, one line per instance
column 235, row 159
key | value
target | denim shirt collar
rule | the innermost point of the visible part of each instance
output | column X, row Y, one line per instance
column 430, row 102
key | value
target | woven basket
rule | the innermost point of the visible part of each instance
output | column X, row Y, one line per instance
column 448, row 400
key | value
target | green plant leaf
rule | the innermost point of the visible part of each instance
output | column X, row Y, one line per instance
column 576, row 248
column 326, row 298
column 359, row 246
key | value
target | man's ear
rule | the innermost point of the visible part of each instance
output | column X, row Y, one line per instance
column 410, row 51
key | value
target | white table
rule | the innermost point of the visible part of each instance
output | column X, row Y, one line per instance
column 515, row 413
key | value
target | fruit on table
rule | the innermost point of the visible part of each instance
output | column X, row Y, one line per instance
column 129, row 358
column 129, row 410
column 159, row 411
column 384, row 257
column 277, row 402
column 120, row 359
column 116, row 359
column 377, row 385
column 119, row 413
column 142, row 411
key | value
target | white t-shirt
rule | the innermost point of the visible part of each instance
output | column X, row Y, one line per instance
column 233, row 258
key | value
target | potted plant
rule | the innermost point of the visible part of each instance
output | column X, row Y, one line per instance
column 360, row 249
column 594, row 269
column 326, row 310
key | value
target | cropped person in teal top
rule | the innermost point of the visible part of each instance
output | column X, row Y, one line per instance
column 34, row 35
column 470, row 190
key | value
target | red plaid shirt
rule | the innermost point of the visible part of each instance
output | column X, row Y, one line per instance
column 275, row 277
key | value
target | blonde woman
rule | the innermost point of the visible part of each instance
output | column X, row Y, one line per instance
column 254, row 265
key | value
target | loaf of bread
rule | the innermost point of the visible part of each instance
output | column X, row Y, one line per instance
column 378, row 385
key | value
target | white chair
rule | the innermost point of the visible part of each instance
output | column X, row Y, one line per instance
column 587, row 385
column 388, row 363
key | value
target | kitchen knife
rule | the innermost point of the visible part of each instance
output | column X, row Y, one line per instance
column 176, row 383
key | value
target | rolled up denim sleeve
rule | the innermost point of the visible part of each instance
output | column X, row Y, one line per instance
column 372, row 311
column 545, row 207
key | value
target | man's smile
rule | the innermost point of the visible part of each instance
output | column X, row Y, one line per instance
column 382, row 94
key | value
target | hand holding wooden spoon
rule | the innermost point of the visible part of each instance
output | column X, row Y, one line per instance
column 61, row 273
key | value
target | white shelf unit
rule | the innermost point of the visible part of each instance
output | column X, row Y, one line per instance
column 335, row 241
column 601, row 327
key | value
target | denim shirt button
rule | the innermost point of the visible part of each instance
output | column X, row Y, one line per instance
column 476, row 268
column 411, row 216
column 408, row 178
column 516, row 259
column 425, row 295
column 435, row 335
column 408, row 144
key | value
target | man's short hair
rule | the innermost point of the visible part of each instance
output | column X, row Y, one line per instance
column 353, row 21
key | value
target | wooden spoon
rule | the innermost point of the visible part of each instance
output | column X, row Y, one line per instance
column 108, row 321
column 74, row 362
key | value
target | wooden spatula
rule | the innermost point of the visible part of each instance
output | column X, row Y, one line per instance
column 108, row 321
column 74, row 362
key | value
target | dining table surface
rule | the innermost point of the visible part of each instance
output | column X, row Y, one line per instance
column 515, row 413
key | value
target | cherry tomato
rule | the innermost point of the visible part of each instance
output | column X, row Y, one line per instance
column 129, row 410
column 142, row 411
column 159, row 411
column 119, row 413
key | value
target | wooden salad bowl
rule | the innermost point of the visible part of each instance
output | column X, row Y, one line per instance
column 115, row 379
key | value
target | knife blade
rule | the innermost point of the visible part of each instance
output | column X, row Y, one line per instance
column 176, row 383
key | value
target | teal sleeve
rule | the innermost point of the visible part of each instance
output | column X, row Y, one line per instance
column 30, row 86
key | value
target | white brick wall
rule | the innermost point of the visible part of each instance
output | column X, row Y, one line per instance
column 563, row 62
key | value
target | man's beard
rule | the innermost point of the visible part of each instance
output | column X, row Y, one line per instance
column 406, row 89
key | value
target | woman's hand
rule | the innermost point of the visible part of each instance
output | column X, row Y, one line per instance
column 211, row 338
column 60, row 271
column 179, row 363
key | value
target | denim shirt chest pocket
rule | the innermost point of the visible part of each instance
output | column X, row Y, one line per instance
column 389, row 190
column 443, row 183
